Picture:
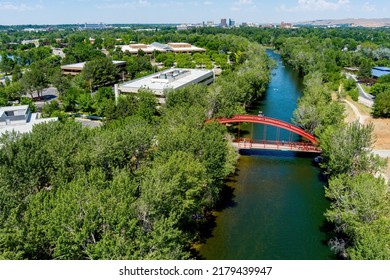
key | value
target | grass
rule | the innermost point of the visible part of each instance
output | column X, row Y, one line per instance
column 362, row 108
column 366, row 88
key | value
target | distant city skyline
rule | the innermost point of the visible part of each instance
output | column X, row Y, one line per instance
column 192, row 11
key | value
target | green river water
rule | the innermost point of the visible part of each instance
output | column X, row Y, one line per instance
column 278, row 202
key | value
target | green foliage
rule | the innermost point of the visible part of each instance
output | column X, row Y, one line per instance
column 349, row 84
column 381, row 107
column 316, row 110
column 70, row 97
column 147, row 104
column 173, row 188
column 137, row 64
column 365, row 69
column 346, row 150
column 359, row 209
column 60, row 82
column 128, row 189
column 36, row 79
column 186, row 97
column 81, row 52
column 379, row 88
column 354, row 94
column 16, row 73
column 100, row 72
column 84, row 103
column 14, row 91
column 6, row 63
column 28, row 101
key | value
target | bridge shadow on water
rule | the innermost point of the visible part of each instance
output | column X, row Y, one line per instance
column 276, row 153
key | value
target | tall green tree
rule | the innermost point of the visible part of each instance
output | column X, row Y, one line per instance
column 36, row 79
column 347, row 150
column 360, row 211
column 100, row 72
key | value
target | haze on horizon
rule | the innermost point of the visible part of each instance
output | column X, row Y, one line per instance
column 192, row 11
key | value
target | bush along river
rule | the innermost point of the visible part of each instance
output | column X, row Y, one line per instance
column 278, row 202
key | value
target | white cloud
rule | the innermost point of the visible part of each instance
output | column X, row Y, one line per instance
column 9, row 6
column 207, row 3
column 133, row 4
column 316, row 5
column 242, row 3
column 143, row 3
column 368, row 7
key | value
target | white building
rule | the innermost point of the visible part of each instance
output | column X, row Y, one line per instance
column 76, row 68
column 19, row 119
column 170, row 47
column 168, row 79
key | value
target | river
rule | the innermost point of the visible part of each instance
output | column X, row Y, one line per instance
column 278, row 199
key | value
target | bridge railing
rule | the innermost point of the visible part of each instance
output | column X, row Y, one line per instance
column 248, row 143
column 268, row 121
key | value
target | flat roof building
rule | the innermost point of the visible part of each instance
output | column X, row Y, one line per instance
column 19, row 119
column 170, row 47
column 168, row 79
column 380, row 71
column 76, row 68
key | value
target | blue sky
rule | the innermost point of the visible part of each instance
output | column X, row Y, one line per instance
column 191, row 11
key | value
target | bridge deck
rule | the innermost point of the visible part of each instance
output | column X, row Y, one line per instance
column 276, row 145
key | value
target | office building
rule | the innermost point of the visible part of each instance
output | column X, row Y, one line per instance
column 76, row 68
column 19, row 119
column 168, row 79
column 170, row 47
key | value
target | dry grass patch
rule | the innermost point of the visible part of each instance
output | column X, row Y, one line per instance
column 382, row 133
column 381, row 126
column 350, row 115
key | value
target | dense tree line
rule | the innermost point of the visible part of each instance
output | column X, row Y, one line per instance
column 134, row 188
column 140, row 187
column 359, row 208
column 124, row 191
column 381, row 91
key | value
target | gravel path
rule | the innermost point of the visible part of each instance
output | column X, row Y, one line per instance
column 381, row 153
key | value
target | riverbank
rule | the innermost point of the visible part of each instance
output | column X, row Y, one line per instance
column 357, row 111
column 277, row 200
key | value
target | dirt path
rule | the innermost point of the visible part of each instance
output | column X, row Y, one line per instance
column 362, row 118
column 381, row 130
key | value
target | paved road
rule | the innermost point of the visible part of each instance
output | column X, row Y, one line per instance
column 89, row 123
column 48, row 94
column 364, row 97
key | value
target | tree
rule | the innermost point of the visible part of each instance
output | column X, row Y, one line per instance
column 316, row 110
column 381, row 107
column 16, row 73
column 147, row 104
column 60, row 82
column 100, row 72
column 36, row 79
column 14, row 91
column 173, row 187
column 81, row 52
column 364, row 69
column 6, row 63
column 360, row 211
column 347, row 150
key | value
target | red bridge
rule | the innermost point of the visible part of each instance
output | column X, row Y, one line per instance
column 248, row 143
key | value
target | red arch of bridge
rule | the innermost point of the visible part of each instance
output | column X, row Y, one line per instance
column 268, row 121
